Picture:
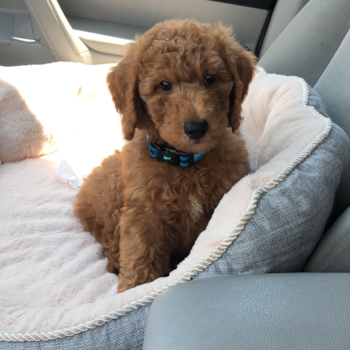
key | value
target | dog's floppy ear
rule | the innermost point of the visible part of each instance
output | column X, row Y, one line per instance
column 243, row 71
column 123, row 85
column 242, row 65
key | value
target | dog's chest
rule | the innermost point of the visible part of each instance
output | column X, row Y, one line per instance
column 196, row 210
column 184, row 194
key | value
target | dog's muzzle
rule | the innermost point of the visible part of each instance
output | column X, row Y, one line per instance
column 196, row 130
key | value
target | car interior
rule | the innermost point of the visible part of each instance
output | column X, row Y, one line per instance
column 304, row 38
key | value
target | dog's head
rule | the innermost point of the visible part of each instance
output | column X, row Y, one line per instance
column 184, row 82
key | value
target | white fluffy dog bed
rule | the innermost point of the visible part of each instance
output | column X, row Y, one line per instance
column 54, row 287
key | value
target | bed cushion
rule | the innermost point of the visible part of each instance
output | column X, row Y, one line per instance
column 26, row 119
column 55, row 291
column 38, row 104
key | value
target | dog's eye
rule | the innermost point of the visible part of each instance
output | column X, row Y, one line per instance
column 208, row 80
column 165, row 86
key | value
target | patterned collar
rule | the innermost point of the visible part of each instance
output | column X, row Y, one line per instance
column 172, row 156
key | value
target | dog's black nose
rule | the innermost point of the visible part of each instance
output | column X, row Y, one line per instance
column 196, row 130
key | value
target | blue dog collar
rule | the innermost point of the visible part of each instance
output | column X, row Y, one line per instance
column 172, row 156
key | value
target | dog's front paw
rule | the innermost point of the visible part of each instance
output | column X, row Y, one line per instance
column 111, row 268
column 127, row 282
column 123, row 286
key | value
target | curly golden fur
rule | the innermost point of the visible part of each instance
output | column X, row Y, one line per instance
column 147, row 214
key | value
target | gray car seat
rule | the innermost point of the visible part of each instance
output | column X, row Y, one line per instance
column 280, row 311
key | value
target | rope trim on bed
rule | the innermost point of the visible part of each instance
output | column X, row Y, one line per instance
column 212, row 257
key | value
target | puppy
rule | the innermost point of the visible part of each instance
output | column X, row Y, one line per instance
column 179, row 90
